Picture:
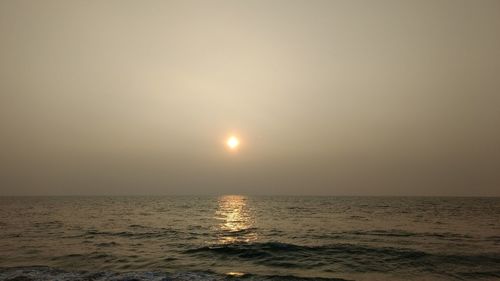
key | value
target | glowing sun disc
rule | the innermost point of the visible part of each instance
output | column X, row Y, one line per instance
column 233, row 142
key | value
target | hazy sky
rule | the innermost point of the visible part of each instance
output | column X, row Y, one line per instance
column 328, row 97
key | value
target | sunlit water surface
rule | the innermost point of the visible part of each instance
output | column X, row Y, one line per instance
column 353, row 238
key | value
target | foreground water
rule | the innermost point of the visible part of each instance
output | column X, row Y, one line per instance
column 251, row 238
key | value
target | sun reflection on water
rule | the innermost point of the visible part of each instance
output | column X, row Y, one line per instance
column 236, row 220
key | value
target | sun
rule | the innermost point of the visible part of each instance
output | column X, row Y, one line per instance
column 233, row 142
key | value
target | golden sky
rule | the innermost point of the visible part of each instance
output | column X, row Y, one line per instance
column 326, row 97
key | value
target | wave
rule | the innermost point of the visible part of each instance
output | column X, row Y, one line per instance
column 348, row 257
column 36, row 273
column 152, row 233
column 402, row 233
column 394, row 233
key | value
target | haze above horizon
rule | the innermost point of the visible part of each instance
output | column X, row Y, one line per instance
column 250, row 97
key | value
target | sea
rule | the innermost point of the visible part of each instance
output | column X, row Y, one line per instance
column 236, row 237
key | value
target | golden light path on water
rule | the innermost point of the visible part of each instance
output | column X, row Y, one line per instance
column 235, row 220
column 235, row 223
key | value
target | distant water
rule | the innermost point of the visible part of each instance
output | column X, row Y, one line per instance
column 249, row 238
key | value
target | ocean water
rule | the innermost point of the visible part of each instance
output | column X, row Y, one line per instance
column 249, row 238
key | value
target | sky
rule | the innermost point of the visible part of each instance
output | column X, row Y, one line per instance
column 326, row 97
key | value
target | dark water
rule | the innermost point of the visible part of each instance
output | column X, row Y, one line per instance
column 250, row 238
